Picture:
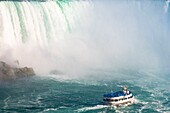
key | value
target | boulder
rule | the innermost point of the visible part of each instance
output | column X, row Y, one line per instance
column 8, row 72
column 24, row 72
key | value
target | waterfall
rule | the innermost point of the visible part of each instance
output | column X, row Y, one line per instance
column 73, row 36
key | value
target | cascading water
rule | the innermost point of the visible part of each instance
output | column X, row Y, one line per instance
column 67, row 35
column 90, row 47
column 34, row 29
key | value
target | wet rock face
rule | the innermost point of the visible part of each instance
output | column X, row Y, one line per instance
column 9, row 73
column 6, row 72
column 24, row 72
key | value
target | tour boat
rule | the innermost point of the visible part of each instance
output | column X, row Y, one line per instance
column 118, row 98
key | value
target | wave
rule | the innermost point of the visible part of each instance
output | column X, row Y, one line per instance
column 91, row 108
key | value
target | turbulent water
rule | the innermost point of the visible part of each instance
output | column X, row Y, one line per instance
column 53, row 95
column 83, row 49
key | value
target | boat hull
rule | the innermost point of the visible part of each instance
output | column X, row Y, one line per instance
column 121, row 102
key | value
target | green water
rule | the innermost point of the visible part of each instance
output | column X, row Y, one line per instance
column 83, row 37
column 52, row 95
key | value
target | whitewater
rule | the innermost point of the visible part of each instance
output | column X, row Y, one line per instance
column 83, row 49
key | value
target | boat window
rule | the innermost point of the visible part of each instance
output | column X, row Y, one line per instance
column 124, row 98
column 107, row 99
column 116, row 100
column 130, row 97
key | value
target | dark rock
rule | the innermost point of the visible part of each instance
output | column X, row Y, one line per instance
column 8, row 72
column 24, row 72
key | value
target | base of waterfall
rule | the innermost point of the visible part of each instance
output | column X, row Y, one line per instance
column 8, row 72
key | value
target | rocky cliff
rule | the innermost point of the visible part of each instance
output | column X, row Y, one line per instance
column 8, row 72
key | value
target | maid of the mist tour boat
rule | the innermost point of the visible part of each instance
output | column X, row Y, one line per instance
column 116, row 99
